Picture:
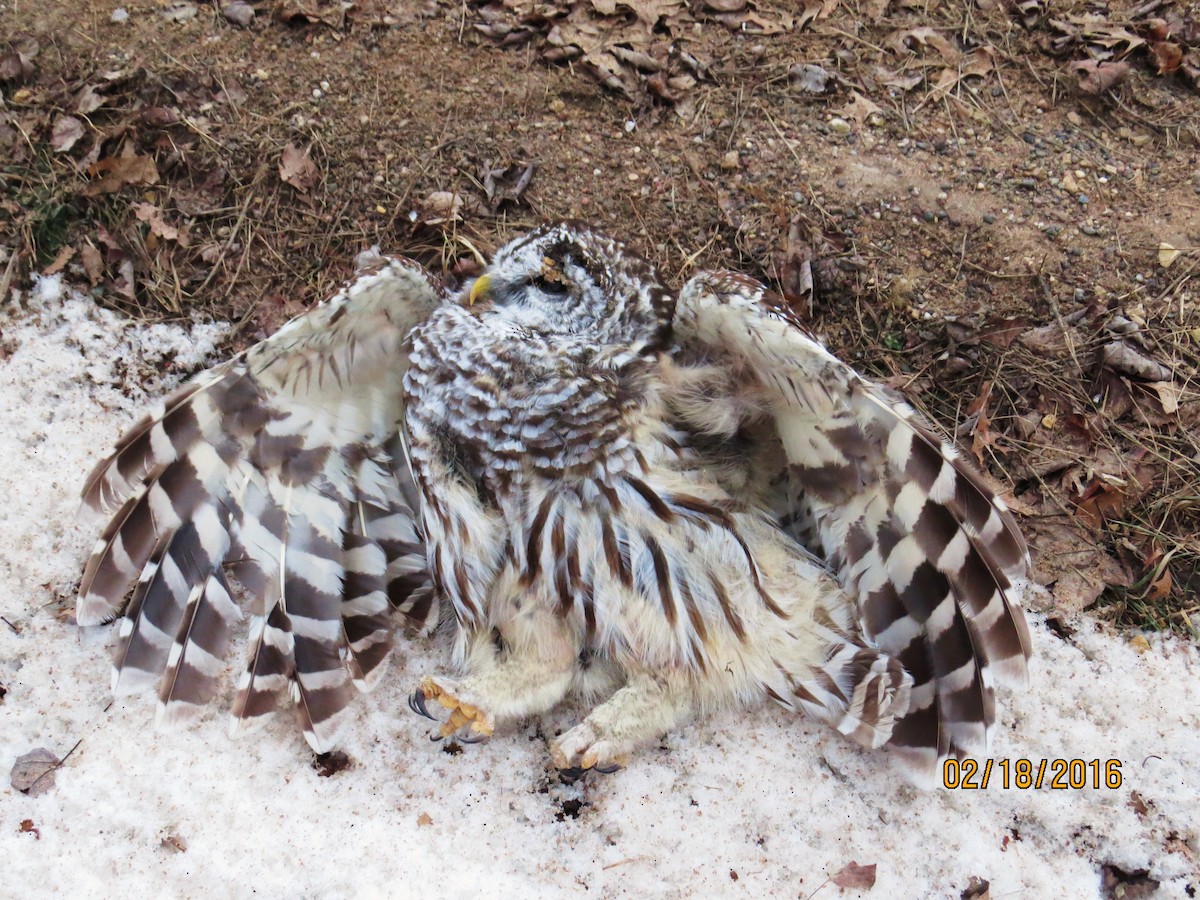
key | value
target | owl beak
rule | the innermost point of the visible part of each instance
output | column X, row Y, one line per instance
column 481, row 288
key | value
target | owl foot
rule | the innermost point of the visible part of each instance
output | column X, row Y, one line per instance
column 582, row 748
column 464, row 710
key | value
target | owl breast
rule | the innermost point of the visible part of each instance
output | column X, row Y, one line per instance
column 501, row 404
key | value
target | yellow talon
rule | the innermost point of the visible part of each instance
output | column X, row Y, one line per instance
column 461, row 712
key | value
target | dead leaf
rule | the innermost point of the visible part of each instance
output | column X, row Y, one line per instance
column 1068, row 560
column 87, row 100
column 891, row 78
column 506, row 184
column 1167, row 254
column 1095, row 78
column 118, row 171
column 33, row 772
column 1002, row 332
column 1122, row 357
column 174, row 843
column 1101, row 501
column 66, row 132
column 153, row 216
column 27, row 827
column 1167, row 56
column 981, row 433
column 860, row 109
column 424, row 820
column 1160, row 586
column 852, row 875
column 794, row 263
column 907, row 40
column 93, row 263
column 63, row 257
column 440, row 207
column 1168, row 394
column 297, row 168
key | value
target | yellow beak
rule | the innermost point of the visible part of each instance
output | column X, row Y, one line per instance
column 479, row 289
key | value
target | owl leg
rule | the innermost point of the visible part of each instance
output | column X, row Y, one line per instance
column 648, row 705
column 528, row 673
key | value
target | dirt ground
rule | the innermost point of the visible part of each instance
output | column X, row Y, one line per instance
column 1001, row 200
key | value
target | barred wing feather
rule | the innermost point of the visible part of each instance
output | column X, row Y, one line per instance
column 285, row 467
column 911, row 530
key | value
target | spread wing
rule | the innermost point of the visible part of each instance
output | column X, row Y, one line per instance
column 282, row 468
column 908, row 526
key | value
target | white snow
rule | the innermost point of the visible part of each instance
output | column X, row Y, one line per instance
column 779, row 801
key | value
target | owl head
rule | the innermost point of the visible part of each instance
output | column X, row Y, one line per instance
column 569, row 279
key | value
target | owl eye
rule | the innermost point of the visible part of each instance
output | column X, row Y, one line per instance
column 554, row 285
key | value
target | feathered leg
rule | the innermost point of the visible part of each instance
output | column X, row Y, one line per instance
column 527, row 671
column 649, row 704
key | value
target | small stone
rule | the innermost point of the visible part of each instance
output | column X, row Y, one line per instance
column 730, row 160
column 120, row 14
column 557, row 105
column 238, row 12
column 839, row 126
column 1084, row 199
column 989, row 219
column 1074, row 118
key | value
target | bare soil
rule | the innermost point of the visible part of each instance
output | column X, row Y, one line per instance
column 1001, row 200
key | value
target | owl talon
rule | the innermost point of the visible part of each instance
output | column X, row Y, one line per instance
column 416, row 702
column 464, row 714
column 608, row 770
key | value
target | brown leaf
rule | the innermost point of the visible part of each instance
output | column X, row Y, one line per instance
column 424, row 820
column 907, row 40
column 173, row 843
column 117, row 171
column 33, row 772
column 27, row 827
column 1095, row 78
column 153, row 216
column 852, row 875
column 63, row 257
column 794, row 262
column 1167, row 56
column 1160, row 586
column 87, row 100
column 66, row 132
column 1068, row 559
column 1101, row 501
column 297, row 168
column 93, row 263
column 1002, row 332
column 440, row 207
column 1122, row 357
column 859, row 109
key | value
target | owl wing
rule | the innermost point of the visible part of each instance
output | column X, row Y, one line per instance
column 283, row 468
column 911, row 530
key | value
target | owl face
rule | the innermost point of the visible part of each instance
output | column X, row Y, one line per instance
column 568, row 279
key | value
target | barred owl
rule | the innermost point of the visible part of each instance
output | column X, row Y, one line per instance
column 662, row 502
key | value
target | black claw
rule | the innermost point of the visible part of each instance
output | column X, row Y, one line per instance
column 416, row 702
column 472, row 738
column 608, row 770
column 436, row 736
column 570, row 775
